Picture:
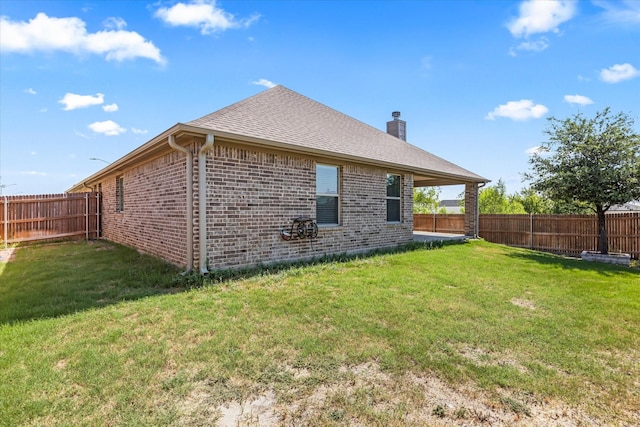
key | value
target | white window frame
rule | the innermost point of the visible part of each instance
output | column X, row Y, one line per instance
column 334, row 195
column 398, row 198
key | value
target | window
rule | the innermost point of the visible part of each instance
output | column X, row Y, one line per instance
column 393, row 198
column 327, row 194
column 119, row 193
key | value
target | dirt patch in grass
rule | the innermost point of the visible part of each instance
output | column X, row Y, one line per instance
column 524, row 303
column 365, row 395
column 483, row 357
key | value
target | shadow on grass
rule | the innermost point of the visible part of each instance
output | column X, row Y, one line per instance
column 567, row 263
column 50, row 280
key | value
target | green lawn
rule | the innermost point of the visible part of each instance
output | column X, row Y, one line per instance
column 96, row 334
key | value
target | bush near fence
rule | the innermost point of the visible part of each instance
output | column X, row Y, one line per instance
column 564, row 234
column 49, row 216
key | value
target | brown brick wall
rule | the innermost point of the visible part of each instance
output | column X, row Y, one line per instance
column 154, row 216
column 253, row 194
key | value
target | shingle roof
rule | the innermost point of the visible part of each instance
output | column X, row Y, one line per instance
column 287, row 117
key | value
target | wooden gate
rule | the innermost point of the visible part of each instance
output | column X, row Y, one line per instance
column 49, row 216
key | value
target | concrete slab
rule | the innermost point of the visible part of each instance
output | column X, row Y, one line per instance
column 424, row 236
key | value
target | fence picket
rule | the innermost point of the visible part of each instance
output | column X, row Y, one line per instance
column 49, row 216
column 564, row 234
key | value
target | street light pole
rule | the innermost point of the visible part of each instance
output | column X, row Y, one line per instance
column 96, row 158
column 3, row 186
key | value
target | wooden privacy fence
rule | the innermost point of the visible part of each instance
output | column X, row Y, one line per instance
column 439, row 223
column 566, row 234
column 49, row 216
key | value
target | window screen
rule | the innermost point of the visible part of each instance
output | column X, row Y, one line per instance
column 327, row 194
column 393, row 198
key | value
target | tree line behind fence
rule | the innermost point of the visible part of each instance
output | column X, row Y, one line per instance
column 565, row 234
column 50, row 216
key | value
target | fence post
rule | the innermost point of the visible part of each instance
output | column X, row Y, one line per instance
column 86, row 216
column 6, row 222
column 531, row 230
column 97, row 215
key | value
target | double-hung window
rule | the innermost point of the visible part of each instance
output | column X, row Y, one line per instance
column 393, row 198
column 327, row 195
column 119, row 193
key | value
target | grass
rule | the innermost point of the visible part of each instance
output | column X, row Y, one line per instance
column 96, row 334
column 55, row 279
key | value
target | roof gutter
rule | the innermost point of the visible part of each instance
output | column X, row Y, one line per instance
column 460, row 179
column 189, row 191
column 202, row 202
column 190, row 129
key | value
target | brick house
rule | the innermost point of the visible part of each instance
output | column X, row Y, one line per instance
column 246, row 170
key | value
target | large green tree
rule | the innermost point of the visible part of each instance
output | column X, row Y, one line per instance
column 495, row 200
column 534, row 202
column 426, row 199
column 592, row 161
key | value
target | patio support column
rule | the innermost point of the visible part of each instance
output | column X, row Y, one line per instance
column 471, row 217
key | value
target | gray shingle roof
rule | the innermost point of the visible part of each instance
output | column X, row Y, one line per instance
column 287, row 117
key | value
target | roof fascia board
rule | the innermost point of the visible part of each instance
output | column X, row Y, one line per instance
column 181, row 128
column 324, row 153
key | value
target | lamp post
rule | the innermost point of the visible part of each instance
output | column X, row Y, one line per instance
column 3, row 186
column 100, row 160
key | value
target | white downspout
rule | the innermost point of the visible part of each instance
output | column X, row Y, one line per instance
column 202, row 201
column 189, row 154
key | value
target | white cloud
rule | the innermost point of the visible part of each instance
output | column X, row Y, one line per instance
column 264, row 82
column 139, row 131
column 618, row 72
column 114, row 23
column 33, row 153
column 533, row 150
column 30, row 91
column 534, row 46
column 537, row 150
column 518, row 110
column 33, row 173
column 108, row 127
column 620, row 12
column 202, row 14
column 43, row 110
column 111, row 108
column 44, row 33
column 71, row 101
column 578, row 99
column 541, row 17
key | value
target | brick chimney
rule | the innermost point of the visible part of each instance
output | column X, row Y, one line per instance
column 397, row 127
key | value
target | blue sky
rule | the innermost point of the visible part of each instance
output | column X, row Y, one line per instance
column 474, row 80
